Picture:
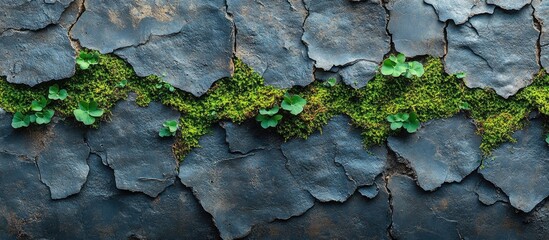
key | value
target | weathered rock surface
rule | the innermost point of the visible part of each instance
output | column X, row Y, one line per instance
column 33, row 57
column 343, row 32
column 269, row 40
column 460, row 11
column 496, row 51
column 510, row 4
column 409, row 39
column 445, row 151
column 488, row 193
column 358, row 74
column 17, row 142
column 30, row 15
column 542, row 15
column 249, row 136
column 228, row 185
column 62, row 162
column 521, row 169
column 453, row 212
column 195, row 57
column 142, row 161
column 357, row 218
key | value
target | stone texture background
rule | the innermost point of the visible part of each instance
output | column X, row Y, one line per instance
column 62, row 182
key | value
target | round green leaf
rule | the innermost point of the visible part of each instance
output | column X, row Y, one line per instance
column 19, row 120
column 396, row 125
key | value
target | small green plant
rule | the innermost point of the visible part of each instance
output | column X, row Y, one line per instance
column 165, row 85
column 464, row 106
column 293, row 103
column 547, row 138
column 397, row 66
column 21, row 120
column 461, row 75
column 41, row 115
column 169, row 128
column 330, row 82
column 269, row 118
column 84, row 60
column 57, row 94
column 39, row 105
column 122, row 83
column 87, row 112
column 408, row 121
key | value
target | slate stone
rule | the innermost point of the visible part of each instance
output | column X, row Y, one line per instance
column 129, row 144
column 71, row 14
column 409, row 39
column 62, row 163
column 341, row 33
column 357, row 218
column 16, row 141
column 30, row 15
column 510, row 4
column 358, row 74
column 195, row 57
column 33, row 57
column 521, row 169
column 460, row 11
column 496, row 51
column 229, row 186
column 444, row 151
column 250, row 136
column 369, row 191
column 333, row 164
column 542, row 15
column 453, row 212
column 488, row 193
column 268, row 39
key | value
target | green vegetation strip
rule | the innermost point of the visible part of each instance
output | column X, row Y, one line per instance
column 433, row 95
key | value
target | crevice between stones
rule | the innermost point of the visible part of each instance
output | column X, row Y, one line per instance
column 81, row 9
column 538, row 26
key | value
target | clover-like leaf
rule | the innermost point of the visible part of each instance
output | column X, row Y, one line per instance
column 269, row 112
column 20, row 120
column 293, row 103
column 44, row 117
column 172, row 125
column 84, row 60
column 412, row 124
column 87, row 112
column 268, row 121
column 400, row 58
column 122, row 83
column 461, row 75
column 55, row 93
column 547, row 138
column 38, row 105
column 330, row 82
column 165, row 132
column 416, row 68
column 396, row 125
column 464, row 106
column 388, row 67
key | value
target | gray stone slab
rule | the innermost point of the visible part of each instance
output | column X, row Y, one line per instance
column 241, row 191
column 496, row 51
column 444, row 151
column 142, row 161
column 249, row 136
column 521, row 169
column 542, row 15
column 33, row 57
column 30, row 15
column 62, row 162
column 510, row 4
column 358, row 74
column 460, row 11
column 195, row 57
column 409, row 39
column 268, row 39
column 343, row 32
column 489, row 194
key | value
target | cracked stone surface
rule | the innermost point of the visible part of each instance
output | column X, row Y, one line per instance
column 343, row 32
column 496, row 51
column 444, row 151
column 33, row 57
column 142, row 161
column 521, row 169
column 258, row 181
column 510, row 4
column 489, row 194
column 333, row 164
column 460, row 11
column 358, row 74
column 357, row 218
column 15, row 14
column 454, row 212
column 405, row 16
column 268, row 30
column 62, row 163
column 249, row 136
column 542, row 15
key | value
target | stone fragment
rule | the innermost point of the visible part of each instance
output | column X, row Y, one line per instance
column 33, row 57
column 343, row 32
column 542, row 15
column 488, row 193
column 460, row 11
column 496, row 51
column 358, row 74
column 129, row 144
column 369, row 191
column 249, row 136
column 409, row 39
column 62, row 163
column 269, row 40
column 510, row 4
column 71, row 14
column 444, row 151
column 228, row 185
column 30, row 15
column 521, row 169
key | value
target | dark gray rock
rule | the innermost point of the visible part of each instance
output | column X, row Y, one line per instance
column 33, row 57
column 19, row 142
column 269, row 40
column 241, row 191
column 496, row 51
column 445, row 151
column 454, row 212
column 521, row 169
column 369, row 191
column 249, row 136
column 62, row 162
column 194, row 58
column 30, row 15
column 405, row 18
column 142, row 161
column 542, row 15
column 510, row 4
column 358, row 74
column 357, row 218
column 488, row 193
column 343, row 32
column 460, row 11
column 71, row 14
